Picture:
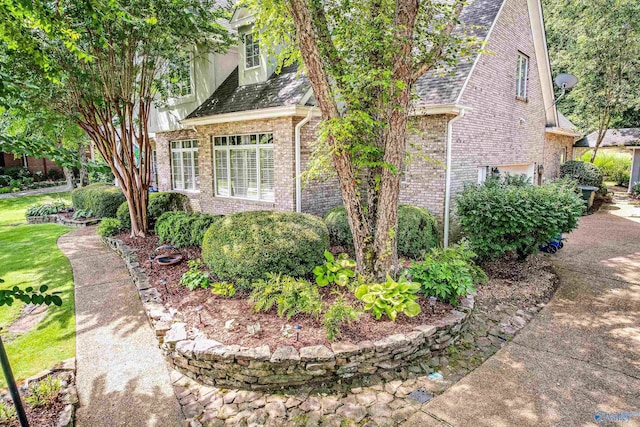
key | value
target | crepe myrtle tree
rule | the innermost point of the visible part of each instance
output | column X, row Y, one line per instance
column 362, row 59
column 114, row 60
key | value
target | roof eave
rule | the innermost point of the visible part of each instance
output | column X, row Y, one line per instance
column 431, row 110
column 262, row 113
column 556, row 130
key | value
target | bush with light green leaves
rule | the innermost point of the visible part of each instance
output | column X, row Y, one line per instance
column 390, row 298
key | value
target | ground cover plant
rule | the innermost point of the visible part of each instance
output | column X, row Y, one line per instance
column 42, row 209
column 30, row 257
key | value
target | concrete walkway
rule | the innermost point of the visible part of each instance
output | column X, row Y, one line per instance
column 122, row 378
column 580, row 355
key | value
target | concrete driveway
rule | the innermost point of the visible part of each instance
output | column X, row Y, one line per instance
column 578, row 362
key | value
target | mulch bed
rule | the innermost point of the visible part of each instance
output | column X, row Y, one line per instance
column 522, row 283
column 216, row 310
column 41, row 416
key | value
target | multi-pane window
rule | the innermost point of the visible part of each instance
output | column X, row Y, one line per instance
column 251, row 51
column 243, row 166
column 522, row 74
column 179, row 76
column 184, row 165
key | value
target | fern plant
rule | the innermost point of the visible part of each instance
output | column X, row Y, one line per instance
column 339, row 313
column 337, row 271
column 195, row 277
column 291, row 296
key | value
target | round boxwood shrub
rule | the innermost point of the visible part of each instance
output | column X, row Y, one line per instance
column 159, row 203
column 417, row 230
column 248, row 245
column 184, row 228
column 583, row 172
column 108, row 227
column 101, row 199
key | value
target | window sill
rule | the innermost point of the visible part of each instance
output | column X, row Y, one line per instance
column 251, row 68
column 188, row 193
column 246, row 199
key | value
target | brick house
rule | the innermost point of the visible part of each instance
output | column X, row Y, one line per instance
column 243, row 144
column 34, row 164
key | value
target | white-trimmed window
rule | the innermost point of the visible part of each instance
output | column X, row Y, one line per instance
column 251, row 51
column 522, row 76
column 180, row 77
column 184, row 165
column 243, row 166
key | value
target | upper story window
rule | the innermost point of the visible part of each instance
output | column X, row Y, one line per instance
column 522, row 76
column 244, row 167
column 185, row 174
column 180, row 77
column 251, row 51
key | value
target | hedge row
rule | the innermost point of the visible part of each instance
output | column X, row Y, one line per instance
column 417, row 230
column 184, row 228
column 102, row 199
column 245, row 246
column 159, row 203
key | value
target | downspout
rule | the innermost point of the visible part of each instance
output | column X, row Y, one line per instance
column 298, row 161
column 447, row 185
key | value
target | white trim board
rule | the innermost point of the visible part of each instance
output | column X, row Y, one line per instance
column 263, row 113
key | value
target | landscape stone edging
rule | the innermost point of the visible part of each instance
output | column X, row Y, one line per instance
column 60, row 219
column 213, row 363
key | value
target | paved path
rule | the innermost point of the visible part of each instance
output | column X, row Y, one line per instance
column 580, row 355
column 37, row 191
column 122, row 378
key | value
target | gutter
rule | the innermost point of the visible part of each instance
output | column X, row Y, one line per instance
column 447, row 185
column 263, row 113
column 298, row 161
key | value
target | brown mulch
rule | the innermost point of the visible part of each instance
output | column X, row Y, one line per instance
column 41, row 416
column 216, row 310
column 524, row 283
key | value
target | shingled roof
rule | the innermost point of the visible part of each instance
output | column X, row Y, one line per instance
column 289, row 87
column 627, row 137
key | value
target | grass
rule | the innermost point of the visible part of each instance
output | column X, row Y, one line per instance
column 29, row 256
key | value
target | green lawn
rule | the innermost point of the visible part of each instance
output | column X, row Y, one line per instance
column 30, row 256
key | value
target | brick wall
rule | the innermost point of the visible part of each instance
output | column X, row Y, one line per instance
column 553, row 152
column 33, row 164
column 424, row 181
column 500, row 130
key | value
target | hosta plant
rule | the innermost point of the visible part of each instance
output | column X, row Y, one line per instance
column 390, row 298
column 335, row 270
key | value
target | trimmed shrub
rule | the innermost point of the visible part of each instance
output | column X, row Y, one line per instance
column 615, row 166
column 102, row 199
column 583, row 172
column 500, row 219
column 15, row 172
column 158, row 204
column 249, row 245
column 417, row 230
column 108, row 227
column 635, row 190
column 184, row 228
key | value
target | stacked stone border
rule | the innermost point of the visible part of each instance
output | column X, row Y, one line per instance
column 61, row 219
column 259, row 368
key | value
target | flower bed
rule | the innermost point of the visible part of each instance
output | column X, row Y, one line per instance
column 195, row 349
column 63, row 219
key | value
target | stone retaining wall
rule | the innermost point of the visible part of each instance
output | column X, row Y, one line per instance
column 211, row 362
column 61, row 219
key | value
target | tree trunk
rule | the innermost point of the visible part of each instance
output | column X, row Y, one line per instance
column 68, row 175
column 83, row 172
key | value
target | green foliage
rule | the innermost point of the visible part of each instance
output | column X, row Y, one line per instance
column 615, row 166
column 159, row 203
column 223, row 289
column 102, row 199
column 195, row 278
column 8, row 414
column 45, row 392
column 82, row 213
column 248, row 245
column 109, row 227
column 339, row 313
column 99, row 172
column 390, row 298
column 337, row 271
column 15, row 172
column 29, row 296
column 499, row 219
column 45, row 209
column 635, row 190
column 5, row 180
column 582, row 172
column 184, row 228
column 447, row 274
column 290, row 295
column 417, row 230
